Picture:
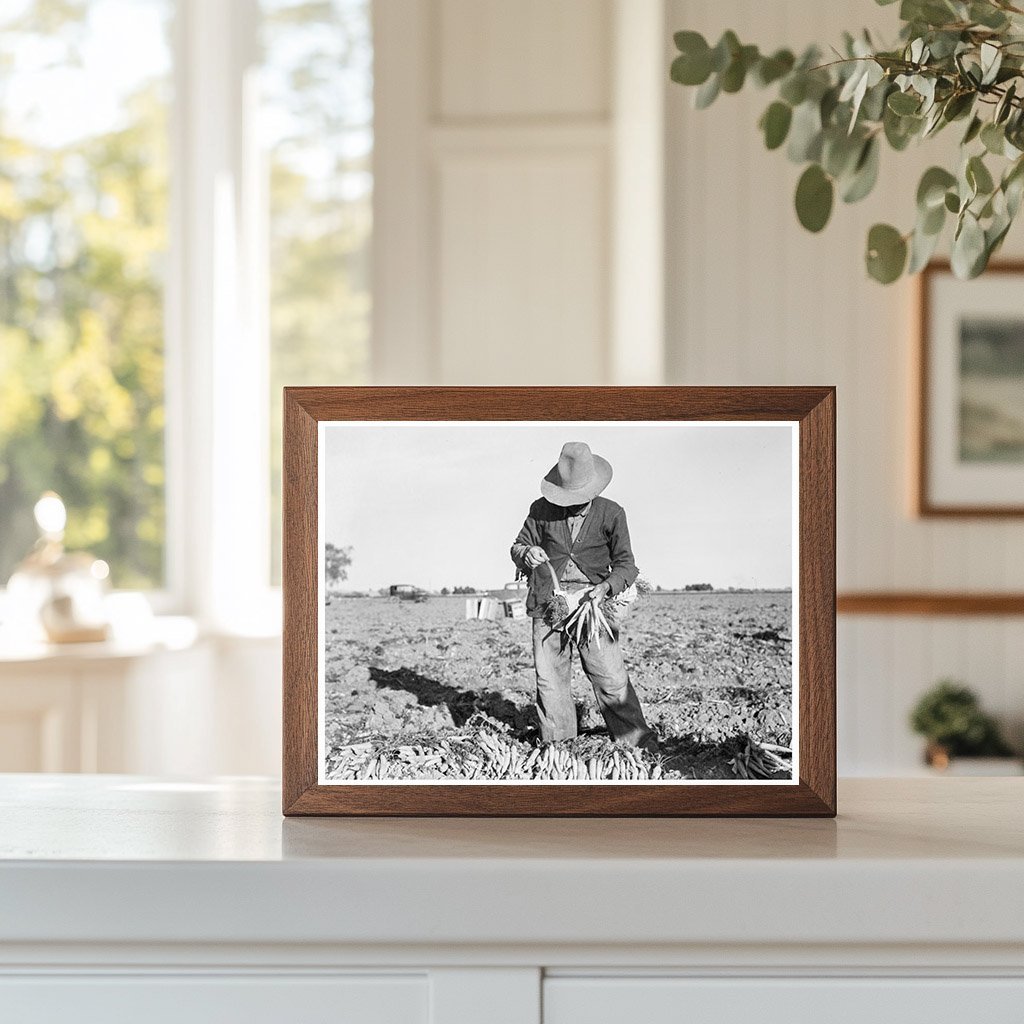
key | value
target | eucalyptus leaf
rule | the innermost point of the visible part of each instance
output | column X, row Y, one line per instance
column 934, row 121
column 922, row 247
column 1013, row 187
column 987, row 15
column 805, row 133
column 873, row 106
column 775, row 124
column 931, row 190
column 944, row 44
column 957, row 106
column 925, row 87
column 691, row 68
column 771, row 69
column 900, row 130
column 794, row 88
column 979, row 177
column 991, row 60
column 707, row 93
column 973, row 130
column 814, row 195
column 827, row 106
column 840, row 152
column 886, row 253
column 929, row 12
column 724, row 51
column 865, row 173
column 932, row 220
column 904, row 103
column 966, row 187
column 1005, row 104
column 993, row 138
column 735, row 74
column 968, row 248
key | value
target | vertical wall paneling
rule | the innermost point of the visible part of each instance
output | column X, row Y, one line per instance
column 521, row 198
column 518, row 199
column 404, row 344
column 638, row 218
column 751, row 298
column 518, row 244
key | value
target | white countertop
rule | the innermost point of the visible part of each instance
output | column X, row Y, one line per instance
column 122, row 859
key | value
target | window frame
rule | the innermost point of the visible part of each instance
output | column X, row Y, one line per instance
column 217, row 351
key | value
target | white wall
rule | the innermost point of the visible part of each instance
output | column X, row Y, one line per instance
column 507, row 134
column 754, row 299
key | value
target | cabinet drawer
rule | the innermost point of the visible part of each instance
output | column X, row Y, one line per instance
column 205, row 999
column 675, row 1000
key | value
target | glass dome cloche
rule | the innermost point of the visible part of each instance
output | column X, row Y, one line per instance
column 57, row 595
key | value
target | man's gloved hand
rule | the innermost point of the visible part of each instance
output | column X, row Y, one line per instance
column 535, row 556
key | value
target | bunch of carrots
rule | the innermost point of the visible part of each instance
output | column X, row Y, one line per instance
column 584, row 623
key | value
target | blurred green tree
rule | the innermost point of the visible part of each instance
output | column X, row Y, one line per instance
column 82, row 233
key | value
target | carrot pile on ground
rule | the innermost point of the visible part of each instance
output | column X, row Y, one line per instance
column 484, row 749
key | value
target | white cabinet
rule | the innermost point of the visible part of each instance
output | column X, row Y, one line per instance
column 829, row 1000
column 131, row 899
column 202, row 999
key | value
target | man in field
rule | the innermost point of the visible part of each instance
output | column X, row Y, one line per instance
column 586, row 540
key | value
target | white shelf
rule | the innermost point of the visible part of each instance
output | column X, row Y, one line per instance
column 121, row 859
column 128, row 897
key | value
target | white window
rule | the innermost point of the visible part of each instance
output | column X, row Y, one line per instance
column 317, row 120
column 185, row 219
column 84, row 171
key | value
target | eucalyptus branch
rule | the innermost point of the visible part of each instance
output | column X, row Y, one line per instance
column 955, row 61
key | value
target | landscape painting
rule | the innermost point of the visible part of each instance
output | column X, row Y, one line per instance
column 572, row 602
column 991, row 389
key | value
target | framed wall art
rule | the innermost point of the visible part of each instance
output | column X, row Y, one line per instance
column 559, row 601
column 970, row 423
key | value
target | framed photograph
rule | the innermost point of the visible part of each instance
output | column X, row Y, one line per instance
column 970, row 445
column 559, row 601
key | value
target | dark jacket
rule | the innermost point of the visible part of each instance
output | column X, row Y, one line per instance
column 602, row 549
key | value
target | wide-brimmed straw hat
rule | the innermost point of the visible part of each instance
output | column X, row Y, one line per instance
column 578, row 476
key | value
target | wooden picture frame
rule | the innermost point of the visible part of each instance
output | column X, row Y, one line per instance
column 812, row 790
column 927, row 371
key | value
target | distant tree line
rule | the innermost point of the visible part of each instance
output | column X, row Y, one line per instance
column 336, row 563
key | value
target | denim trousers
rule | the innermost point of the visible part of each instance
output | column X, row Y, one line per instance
column 606, row 670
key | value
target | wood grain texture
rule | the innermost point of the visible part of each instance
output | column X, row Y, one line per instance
column 812, row 407
column 299, row 586
column 925, row 603
column 923, row 503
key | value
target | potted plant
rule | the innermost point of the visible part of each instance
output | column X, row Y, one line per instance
column 950, row 718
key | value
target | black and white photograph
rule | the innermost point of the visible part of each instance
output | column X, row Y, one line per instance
column 581, row 602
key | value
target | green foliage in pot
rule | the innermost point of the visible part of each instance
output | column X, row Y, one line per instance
column 957, row 62
column 950, row 717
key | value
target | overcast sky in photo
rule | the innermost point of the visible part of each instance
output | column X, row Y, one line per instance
column 439, row 504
